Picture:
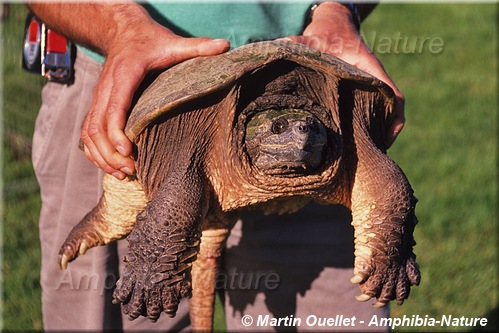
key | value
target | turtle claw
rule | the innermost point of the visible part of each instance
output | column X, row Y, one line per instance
column 63, row 261
column 356, row 279
column 70, row 251
column 363, row 298
column 85, row 235
column 379, row 305
column 83, row 248
column 74, row 247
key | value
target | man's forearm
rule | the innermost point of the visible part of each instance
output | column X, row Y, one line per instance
column 95, row 25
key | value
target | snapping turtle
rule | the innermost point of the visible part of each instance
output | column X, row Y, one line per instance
column 270, row 125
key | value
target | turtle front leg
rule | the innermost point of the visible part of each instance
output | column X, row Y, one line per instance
column 112, row 219
column 383, row 217
column 162, row 247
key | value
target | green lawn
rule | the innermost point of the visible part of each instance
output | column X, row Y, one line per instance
column 442, row 56
column 448, row 150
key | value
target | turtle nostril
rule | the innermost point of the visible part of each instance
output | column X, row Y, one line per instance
column 303, row 128
column 312, row 124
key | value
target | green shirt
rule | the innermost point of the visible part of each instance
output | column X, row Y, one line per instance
column 239, row 22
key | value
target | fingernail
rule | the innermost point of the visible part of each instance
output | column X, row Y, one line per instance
column 118, row 175
column 121, row 150
column 221, row 42
column 126, row 170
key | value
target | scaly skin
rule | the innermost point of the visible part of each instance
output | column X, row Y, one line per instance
column 162, row 247
column 383, row 217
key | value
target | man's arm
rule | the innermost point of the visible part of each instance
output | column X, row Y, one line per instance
column 134, row 45
column 93, row 25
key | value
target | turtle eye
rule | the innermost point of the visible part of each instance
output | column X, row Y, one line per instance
column 279, row 126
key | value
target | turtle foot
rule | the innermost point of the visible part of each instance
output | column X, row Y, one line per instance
column 386, row 279
column 384, row 221
column 157, row 274
column 149, row 299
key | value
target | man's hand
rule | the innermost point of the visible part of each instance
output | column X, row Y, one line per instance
column 134, row 45
column 124, row 69
column 332, row 31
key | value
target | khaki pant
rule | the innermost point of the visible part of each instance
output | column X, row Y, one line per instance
column 291, row 266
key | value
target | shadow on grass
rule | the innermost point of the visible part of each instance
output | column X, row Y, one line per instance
column 492, row 322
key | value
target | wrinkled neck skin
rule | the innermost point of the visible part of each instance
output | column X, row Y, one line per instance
column 237, row 180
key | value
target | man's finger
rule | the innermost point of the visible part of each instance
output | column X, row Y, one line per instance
column 124, row 85
column 95, row 131
column 179, row 49
column 397, row 124
column 94, row 156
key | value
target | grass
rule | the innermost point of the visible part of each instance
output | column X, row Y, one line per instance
column 21, row 200
column 447, row 149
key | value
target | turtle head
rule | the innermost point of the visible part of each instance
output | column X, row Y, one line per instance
column 289, row 141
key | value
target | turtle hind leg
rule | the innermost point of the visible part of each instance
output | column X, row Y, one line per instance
column 112, row 219
column 164, row 243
